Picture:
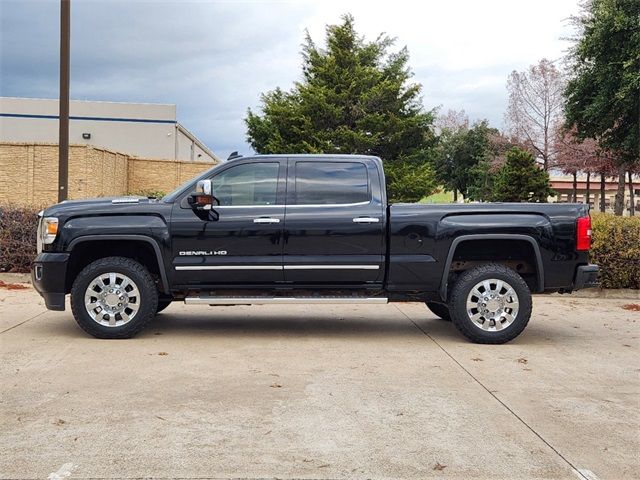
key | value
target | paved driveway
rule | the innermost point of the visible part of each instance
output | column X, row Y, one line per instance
column 320, row 392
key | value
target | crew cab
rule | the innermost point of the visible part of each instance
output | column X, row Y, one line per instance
column 278, row 229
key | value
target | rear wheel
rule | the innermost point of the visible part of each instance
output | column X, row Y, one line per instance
column 440, row 309
column 114, row 297
column 490, row 304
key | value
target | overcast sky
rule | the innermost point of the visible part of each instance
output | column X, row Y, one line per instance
column 214, row 58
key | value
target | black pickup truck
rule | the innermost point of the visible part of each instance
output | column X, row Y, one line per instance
column 276, row 229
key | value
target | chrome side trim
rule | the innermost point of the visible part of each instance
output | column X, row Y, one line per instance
column 332, row 267
column 311, row 205
column 282, row 300
column 277, row 267
column 229, row 267
column 223, row 207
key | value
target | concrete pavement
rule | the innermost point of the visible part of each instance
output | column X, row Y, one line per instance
column 320, row 392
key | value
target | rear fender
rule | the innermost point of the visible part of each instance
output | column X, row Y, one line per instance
column 465, row 238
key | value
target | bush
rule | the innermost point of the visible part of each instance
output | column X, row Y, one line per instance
column 17, row 238
column 616, row 248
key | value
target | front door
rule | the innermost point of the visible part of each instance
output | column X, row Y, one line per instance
column 241, row 240
column 334, row 225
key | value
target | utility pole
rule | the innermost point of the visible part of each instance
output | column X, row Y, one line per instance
column 63, row 118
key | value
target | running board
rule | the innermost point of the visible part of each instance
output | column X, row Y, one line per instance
column 281, row 300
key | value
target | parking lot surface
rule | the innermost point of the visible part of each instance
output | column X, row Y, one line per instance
column 320, row 392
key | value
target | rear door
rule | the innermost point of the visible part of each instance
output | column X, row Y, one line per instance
column 241, row 241
column 334, row 222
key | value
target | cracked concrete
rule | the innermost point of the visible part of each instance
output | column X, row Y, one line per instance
column 320, row 392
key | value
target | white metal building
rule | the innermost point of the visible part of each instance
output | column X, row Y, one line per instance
column 142, row 129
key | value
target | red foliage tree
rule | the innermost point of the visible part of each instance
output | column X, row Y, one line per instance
column 573, row 156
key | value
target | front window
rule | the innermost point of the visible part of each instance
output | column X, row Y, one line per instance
column 170, row 197
column 247, row 184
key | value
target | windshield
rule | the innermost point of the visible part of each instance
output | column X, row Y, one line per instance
column 170, row 197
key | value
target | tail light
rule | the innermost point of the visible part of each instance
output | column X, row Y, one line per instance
column 583, row 234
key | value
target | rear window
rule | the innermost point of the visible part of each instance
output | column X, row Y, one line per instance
column 324, row 183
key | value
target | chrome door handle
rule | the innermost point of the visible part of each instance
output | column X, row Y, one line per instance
column 366, row 220
column 266, row 220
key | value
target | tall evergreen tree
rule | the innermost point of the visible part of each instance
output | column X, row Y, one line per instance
column 520, row 179
column 354, row 97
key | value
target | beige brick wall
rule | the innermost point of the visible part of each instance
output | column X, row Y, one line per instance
column 146, row 174
column 29, row 173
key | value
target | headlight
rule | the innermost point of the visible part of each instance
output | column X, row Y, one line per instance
column 48, row 230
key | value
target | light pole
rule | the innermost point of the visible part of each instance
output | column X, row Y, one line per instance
column 63, row 118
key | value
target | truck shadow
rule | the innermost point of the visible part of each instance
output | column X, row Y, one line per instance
column 289, row 326
column 267, row 324
column 270, row 325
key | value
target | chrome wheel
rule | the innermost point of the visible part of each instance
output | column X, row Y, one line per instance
column 492, row 305
column 112, row 299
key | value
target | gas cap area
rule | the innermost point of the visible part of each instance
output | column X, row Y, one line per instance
column 413, row 241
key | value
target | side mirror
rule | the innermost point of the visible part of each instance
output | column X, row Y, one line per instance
column 202, row 198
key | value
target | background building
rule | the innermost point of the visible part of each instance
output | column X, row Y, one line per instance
column 563, row 186
column 140, row 129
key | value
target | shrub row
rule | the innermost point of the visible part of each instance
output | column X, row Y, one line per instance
column 616, row 245
column 616, row 248
column 17, row 238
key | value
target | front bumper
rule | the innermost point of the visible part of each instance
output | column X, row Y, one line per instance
column 48, row 276
column 586, row 277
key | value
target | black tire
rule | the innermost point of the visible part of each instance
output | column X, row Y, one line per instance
column 147, row 300
column 163, row 302
column 458, row 304
column 440, row 310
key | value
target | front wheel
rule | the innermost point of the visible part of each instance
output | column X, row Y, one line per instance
column 114, row 297
column 490, row 304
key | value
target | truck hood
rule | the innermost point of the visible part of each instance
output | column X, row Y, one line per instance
column 100, row 206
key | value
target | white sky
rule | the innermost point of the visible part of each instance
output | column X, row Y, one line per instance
column 213, row 59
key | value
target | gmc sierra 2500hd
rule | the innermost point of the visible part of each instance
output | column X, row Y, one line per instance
column 272, row 229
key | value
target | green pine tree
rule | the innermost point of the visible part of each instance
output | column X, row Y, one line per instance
column 354, row 97
column 481, row 188
column 521, row 180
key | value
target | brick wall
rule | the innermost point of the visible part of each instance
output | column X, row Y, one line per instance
column 29, row 173
column 146, row 174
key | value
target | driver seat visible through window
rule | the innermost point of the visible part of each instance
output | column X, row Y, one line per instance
column 247, row 184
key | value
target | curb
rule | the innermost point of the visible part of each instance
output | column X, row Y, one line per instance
column 15, row 277
column 613, row 294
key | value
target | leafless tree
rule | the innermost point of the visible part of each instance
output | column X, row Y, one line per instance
column 501, row 143
column 452, row 121
column 535, row 108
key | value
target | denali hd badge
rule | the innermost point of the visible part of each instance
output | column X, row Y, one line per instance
column 201, row 253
